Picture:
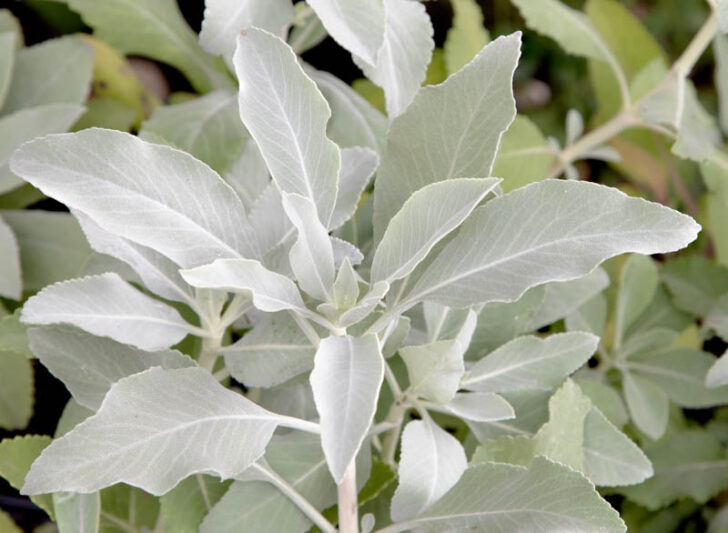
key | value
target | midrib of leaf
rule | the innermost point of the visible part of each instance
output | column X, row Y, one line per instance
column 203, row 491
column 259, row 347
column 649, row 369
column 411, row 301
column 134, row 318
column 208, row 116
column 132, row 192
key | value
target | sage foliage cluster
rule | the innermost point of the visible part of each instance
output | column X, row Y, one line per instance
column 279, row 308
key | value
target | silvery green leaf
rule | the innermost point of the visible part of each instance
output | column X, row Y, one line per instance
column 570, row 28
column 480, row 407
column 11, row 283
column 17, row 454
column 159, row 274
column 565, row 227
column 225, row 19
column 52, row 246
column 16, row 390
column 606, row 399
column 401, row 62
column 354, row 121
column 676, row 105
column 7, row 61
column 345, row 250
column 26, row 124
column 293, row 398
column 437, row 139
column 107, row 305
column 13, row 336
column 73, row 414
column 346, row 286
column 689, row 463
column 681, row 373
column 286, row 114
column 695, row 283
column 574, row 126
column 531, row 408
column 357, row 25
column 397, row 337
column 367, row 523
column 524, row 155
column 357, row 167
column 273, row 352
column 163, row 198
column 260, row 507
column 346, row 378
column 306, row 33
column 547, row 497
column 444, row 323
column 531, row 363
column 466, row 37
column 311, row 256
column 185, row 507
column 435, row 369
column 718, row 373
column 77, row 513
column 171, row 419
column 272, row 227
column 644, row 343
column 648, row 404
column 57, row 71
column 603, row 153
column 90, row 365
column 207, row 127
column 499, row 322
column 610, row 457
column 9, row 23
column 270, row 292
column 365, row 305
column 717, row 317
column 431, row 462
column 248, row 175
column 591, row 316
column 154, row 29
column 427, row 216
column 637, row 286
column 565, row 297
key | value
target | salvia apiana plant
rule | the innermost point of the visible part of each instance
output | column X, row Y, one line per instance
column 368, row 279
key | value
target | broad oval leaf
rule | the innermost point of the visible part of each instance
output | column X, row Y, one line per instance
column 528, row 363
column 270, row 292
column 357, row 167
column 547, row 497
column 290, row 131
column 153, row 430
column 11, row 284
column 648, row 405
column 90, row 365
column 431, row 462
column 346, row 378
column 451, row 130
column 435, row 369
column 424, row 220
column 162, row 198
column 107, row 305
column 547, row 231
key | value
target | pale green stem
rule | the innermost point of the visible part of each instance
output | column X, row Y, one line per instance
column 296, row 498
column 307, row 329
column 299, row 424
column 348, row 502
column 209, row 354
column 684, row 65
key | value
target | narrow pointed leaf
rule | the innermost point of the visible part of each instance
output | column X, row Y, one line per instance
column 438, row 139
column 558, row 230
column 7, row 60
column 466, row 37
column 77, row 513
column 638, row 283
column 425, row 219
column 170, row 419
column 286, row 114
column 401, row 63
column 480, row 407
column 431, row 462
column 531, row 363
column 163, row 198
column 270, row 292
column 357, row 25
column 311, row 256
column 16, row 456
column 346, row 378
column 357, row 167
column 90, row 365
column 546, row 497
column 16, row 390
column 107, row 305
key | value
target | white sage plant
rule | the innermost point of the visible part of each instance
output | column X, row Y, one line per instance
column 356, row 321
